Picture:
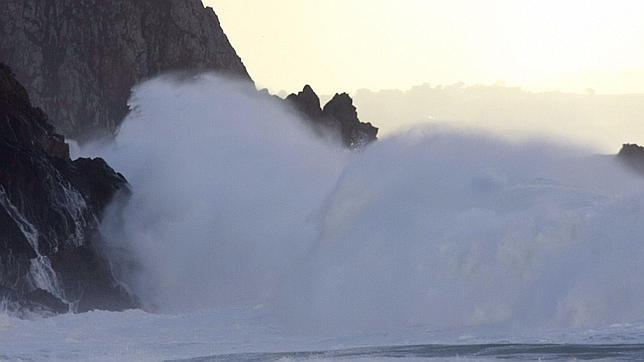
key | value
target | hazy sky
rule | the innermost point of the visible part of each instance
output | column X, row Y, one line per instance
column 567, row 45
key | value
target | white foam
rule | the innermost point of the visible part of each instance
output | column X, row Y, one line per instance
column 27, row 229
column 41, row 274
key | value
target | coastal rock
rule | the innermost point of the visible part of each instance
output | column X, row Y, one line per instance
column 339, row 116
column 79, row 59
column 632, row 155
column 50, row 209
column 307, row 102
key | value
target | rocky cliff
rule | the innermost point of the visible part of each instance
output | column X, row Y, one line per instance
column 78, row 59
column 50, row 209
column 338, row 115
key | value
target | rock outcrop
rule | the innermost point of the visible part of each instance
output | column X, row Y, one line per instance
column 632, row 155
column 338, row 115
column 79, row 59
column 50, row 209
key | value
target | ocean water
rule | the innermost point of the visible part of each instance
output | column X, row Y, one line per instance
column 250, row 335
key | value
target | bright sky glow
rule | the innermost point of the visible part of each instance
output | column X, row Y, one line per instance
column 567, row 45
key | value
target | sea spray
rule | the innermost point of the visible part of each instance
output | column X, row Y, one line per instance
column 226, row 188
column 452, row 230
column 235, row 202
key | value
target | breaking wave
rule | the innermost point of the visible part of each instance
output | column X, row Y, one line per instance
column 236, row 202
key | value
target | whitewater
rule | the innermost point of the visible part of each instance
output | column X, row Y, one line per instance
column 249, row 237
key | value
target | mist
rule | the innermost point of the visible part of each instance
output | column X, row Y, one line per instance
column 454, row 230
column 600, row 121
column 225, row 189
column 237, row 203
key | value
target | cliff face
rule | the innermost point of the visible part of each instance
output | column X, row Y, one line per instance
column 338, row 115
column 78, row 59
column 50, row 209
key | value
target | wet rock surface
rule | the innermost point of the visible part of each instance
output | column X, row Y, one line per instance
column 50, row 209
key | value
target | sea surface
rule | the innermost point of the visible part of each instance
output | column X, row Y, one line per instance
column 249, row 335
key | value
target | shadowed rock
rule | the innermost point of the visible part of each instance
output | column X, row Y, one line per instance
column 50, row 209
column 338, row 116
column 307, row 102
column 79, row 59
column 632, row 155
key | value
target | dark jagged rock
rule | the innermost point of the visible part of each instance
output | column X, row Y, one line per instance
column 50, row 208
column 632, row 155
column 354, row 132
column 79, row 59
column 307, row 102
column 339, row 116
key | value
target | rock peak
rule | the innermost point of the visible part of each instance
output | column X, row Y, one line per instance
column 307, row 102
column 632, row 155
column 339, row 116
column 341, row 106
